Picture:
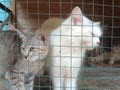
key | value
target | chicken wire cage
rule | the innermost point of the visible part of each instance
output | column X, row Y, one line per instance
column 98, row 73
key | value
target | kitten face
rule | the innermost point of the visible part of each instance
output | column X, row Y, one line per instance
column 35, row 47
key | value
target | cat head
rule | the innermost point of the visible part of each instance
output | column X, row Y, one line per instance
column 88, row 30
column 34, row 46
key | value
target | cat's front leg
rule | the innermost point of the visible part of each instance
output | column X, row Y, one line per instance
column 17, row 79
column 71, row 78
column 71, row 83
column 57, row 78
column 30, row 85
column 17, row 84
column 29, row 81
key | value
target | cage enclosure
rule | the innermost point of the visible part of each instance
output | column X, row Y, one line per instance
column 29, row 15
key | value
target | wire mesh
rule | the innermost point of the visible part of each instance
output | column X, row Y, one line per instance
column 98, row 71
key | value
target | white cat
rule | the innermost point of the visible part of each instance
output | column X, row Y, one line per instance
column 68, row 44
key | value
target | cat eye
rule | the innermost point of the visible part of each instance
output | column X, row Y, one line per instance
column 31, row 48
column 22, row 48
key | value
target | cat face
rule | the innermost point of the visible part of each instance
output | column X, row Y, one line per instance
column 88, row 31
column 91, row 33
column 34, row 47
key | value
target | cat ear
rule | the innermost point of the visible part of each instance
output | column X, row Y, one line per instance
column 76, row 15
column 21, row 35
column 43, row 37
column 12, row 28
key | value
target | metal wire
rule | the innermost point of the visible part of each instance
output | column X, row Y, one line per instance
column 95, row 75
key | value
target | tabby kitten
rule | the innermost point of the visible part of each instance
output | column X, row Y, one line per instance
column 68, row 44
column 25, row 56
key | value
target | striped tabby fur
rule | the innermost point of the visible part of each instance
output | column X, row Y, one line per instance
column 23, row 57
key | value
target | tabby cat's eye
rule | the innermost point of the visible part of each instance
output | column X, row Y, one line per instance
column 31, row 48
column 22, row 48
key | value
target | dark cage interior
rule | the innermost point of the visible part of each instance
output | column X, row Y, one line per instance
column 32, row 13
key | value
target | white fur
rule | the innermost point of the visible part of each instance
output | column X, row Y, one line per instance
column 68, row 45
